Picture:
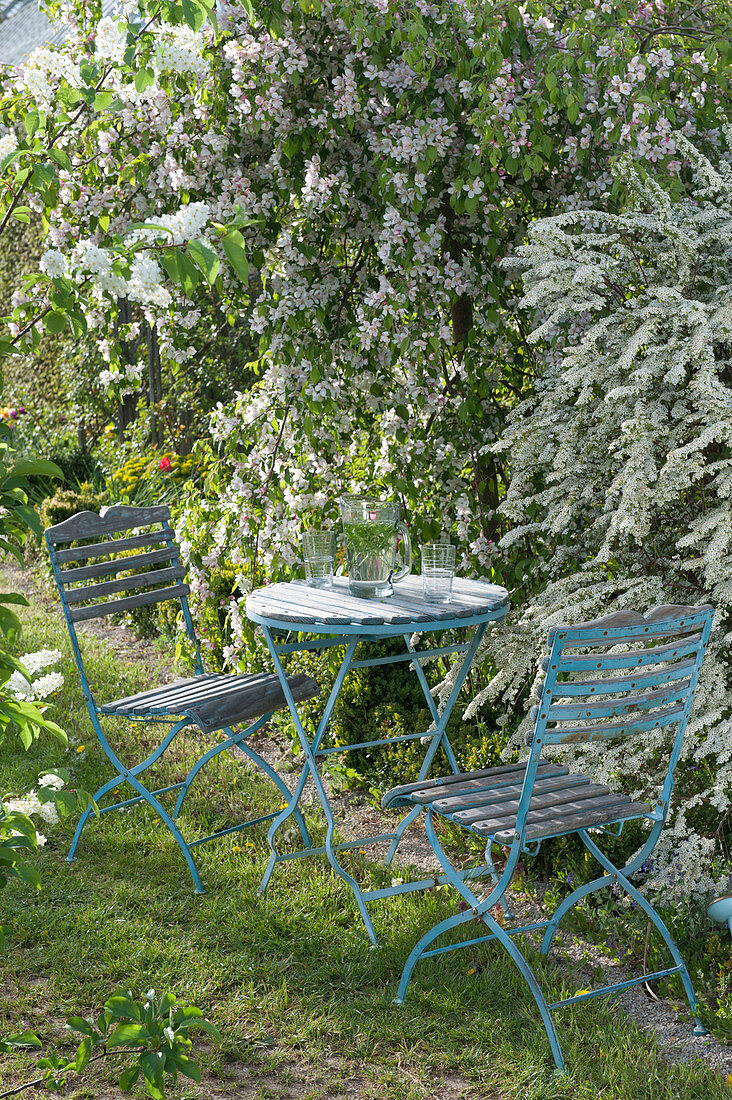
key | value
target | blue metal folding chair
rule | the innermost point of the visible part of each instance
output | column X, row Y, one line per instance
column 147, row 570
column 621, row 675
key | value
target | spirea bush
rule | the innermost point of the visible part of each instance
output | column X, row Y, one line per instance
column 622, row 468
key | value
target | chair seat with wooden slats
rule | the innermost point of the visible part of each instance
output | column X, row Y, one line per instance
column 624, row 675
column 214, row 702
column 486, row 802
column 126, row 558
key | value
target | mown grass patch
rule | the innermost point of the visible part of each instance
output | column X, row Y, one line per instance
column 302, row 1001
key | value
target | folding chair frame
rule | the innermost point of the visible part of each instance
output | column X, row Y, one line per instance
column 604, row 632
column 113, row 521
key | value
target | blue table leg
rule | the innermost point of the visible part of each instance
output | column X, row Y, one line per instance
column 311, row 768
column 439, row 735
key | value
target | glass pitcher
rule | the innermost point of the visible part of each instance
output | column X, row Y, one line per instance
column 372, row 530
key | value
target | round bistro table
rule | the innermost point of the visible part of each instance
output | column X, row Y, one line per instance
column 333, row 617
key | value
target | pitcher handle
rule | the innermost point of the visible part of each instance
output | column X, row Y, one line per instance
column 406, row 554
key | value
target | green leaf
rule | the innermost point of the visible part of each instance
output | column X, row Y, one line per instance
column 31, row 121
column 121, row 1006
column 31, row 467
column 77, row 320
column 29, row 518
column 25, row 735
column 129, row 1077
column 143, row 79
column 60, row 157
column 205, row 260
column 180, row 269
column 194, row 14
column 54, row 322
column 43, row 177
column 103, row 100
column 233, row 244
column 23, row 1039
column 129, row 1035
column 78, row 1023
column 83, row 1054
column 152, row 1066
column 189, row 1068
column 28, row 874
column 65, row 802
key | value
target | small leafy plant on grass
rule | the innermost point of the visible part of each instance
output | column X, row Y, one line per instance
column 154, row 1031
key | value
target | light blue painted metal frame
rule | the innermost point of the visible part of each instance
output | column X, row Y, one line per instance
column 351, row 636
column 479, row 909
column 130, row 775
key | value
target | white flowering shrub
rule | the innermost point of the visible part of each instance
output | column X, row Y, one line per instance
column 622, row 466
column 32, row 687
column 340, row 181
column 17, row 830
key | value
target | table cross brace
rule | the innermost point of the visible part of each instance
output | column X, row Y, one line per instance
column 311, row 749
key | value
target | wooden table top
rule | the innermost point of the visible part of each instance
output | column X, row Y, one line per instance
column 294, row 603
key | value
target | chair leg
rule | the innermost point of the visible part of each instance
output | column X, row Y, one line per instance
column 281, row 786
column 562, row 910
column 597, row 884
column 129, row 775
column 71, row 857
column 165, row 817
column 658, row 924
column 238, row 740
column 495, row 879
column 481, row 910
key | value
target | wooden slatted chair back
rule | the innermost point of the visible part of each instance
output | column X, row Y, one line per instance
column 119, row 560
column 622, row 674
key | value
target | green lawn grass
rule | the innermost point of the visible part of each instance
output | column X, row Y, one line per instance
column 302, row 1001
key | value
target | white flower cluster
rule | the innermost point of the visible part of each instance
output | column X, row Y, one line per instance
column 41, row 687
column 8, row 145
column 54, row 263
column 180, row 50
column 43, row 71
column 110, row 40
column 30, row 804
column 184, row 225
column 145, row 284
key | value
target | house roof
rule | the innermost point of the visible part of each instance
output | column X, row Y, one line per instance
column 23, row 26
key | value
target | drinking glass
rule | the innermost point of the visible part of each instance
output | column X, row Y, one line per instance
column 438, row 570
column 318, row 552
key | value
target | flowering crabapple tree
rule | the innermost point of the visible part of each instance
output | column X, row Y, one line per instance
column 342, row 180
column 621, row 461
column 393, row 154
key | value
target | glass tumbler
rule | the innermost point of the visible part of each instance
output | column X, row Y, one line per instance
column 318, row 553
column 438, row 570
